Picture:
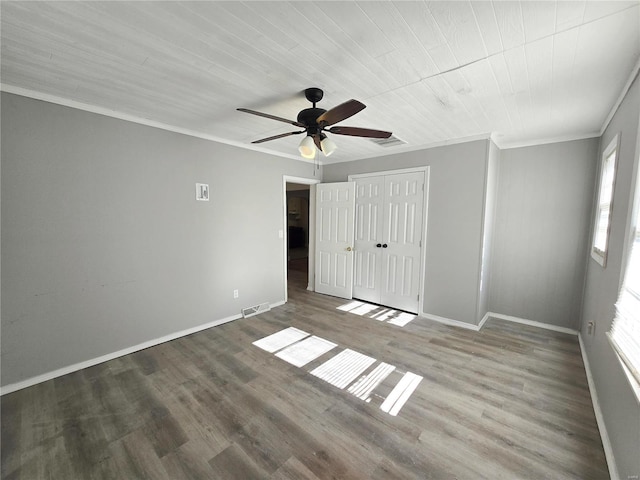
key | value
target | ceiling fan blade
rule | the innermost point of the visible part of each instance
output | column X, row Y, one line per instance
column 316, row 140
column 339, row 113
column 360, row 132
column 272, row 117
column 282, row 135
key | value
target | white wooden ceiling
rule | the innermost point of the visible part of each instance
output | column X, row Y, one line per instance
column 431, row 72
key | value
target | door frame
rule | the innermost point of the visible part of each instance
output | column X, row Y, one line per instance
column 312, row 182
column 425, row 214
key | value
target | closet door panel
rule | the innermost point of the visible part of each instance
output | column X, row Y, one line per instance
column 368, row 257
column 402, row 220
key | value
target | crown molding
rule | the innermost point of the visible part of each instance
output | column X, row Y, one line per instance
column 502, row 145
column 405, row 149
column 65, row 102
column 623, row 93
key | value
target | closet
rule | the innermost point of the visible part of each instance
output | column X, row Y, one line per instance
column 388, row 239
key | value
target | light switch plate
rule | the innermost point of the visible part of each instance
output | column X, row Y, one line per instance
column 202, row 192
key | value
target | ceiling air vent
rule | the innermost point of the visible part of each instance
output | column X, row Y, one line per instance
column 392, row 141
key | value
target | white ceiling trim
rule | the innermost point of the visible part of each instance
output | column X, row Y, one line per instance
column 414, row 148
column 142, row 121
column 65, row 102
column 150, row 123
column 543, row 141
column 192, row 133
column 625, row 90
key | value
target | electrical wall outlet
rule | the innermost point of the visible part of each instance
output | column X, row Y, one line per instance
column 591, row 328
column 236, row 294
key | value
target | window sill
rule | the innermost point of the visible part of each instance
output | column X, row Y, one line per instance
column 633, row 383
column 599, row 257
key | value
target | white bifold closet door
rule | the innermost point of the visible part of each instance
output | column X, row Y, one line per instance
column 388, row 239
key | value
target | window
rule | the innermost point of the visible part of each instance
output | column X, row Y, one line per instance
column 625, row 330
column 605, row 199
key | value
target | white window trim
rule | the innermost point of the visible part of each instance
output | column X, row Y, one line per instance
column 597, row 254
column 631, row 378
column 625, row 309
column 631, row 232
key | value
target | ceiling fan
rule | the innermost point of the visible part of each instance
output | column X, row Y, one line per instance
column 315, row 122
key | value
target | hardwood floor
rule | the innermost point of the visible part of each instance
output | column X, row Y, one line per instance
column 509, row 402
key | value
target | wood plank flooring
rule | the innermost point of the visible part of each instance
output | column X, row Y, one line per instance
column 509, row 402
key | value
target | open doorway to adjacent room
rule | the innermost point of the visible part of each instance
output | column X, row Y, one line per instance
column 299, row 224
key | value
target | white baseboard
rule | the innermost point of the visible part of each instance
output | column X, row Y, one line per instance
column 458, row 323
column 484, row 320
column 452, row 322
column 488, row 315
column 532, row 323
column 604, row 436
column 13, row 387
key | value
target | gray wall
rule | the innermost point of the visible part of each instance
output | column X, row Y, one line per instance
column 454, row 221
column 543, row 216
column 104, row 245
column 619, row 406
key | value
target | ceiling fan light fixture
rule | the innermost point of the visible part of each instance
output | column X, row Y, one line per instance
column 315, row 120
column 307, row 147
column 328, row 147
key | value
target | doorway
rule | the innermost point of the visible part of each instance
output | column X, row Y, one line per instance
column 299, row 233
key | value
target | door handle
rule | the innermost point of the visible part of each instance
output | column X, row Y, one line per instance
column 378, row 245
column 348, row 249
column 384, row 245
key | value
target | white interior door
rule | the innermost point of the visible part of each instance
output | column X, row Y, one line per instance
column 402, row 235
column 335, row 207
column 388, row 250
column 368, row 239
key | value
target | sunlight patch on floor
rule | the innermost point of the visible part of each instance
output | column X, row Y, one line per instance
column 367, row 383
column 346, row 369
column 382, row 314
column 305, row 351
column 401, row 393
column 281, row 339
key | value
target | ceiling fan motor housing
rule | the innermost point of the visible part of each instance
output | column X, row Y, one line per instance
column 308, row 116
